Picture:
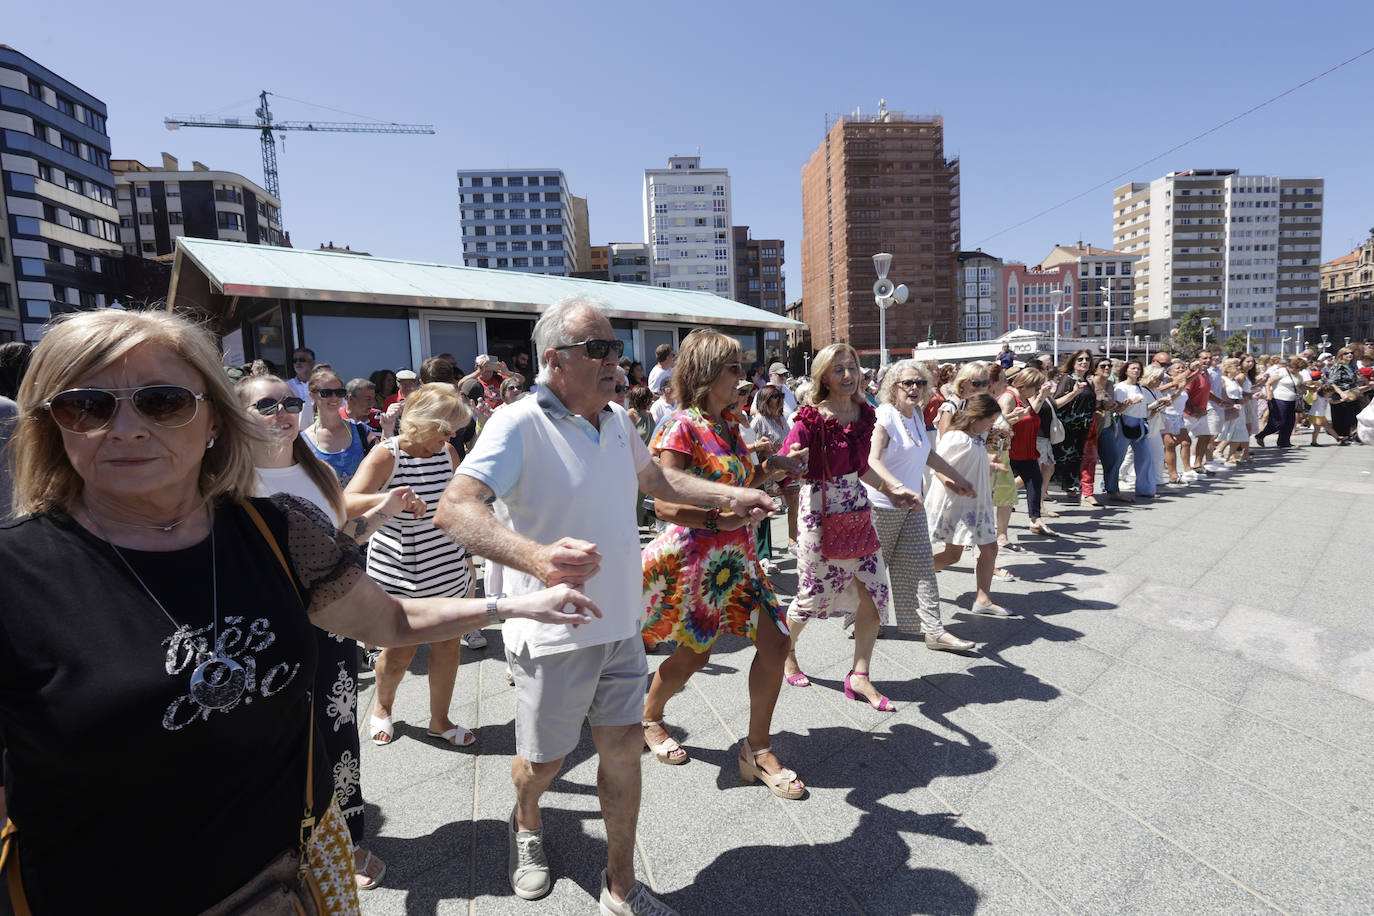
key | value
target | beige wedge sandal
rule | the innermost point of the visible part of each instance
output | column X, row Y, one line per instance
column 663, row 749
column 780, row 783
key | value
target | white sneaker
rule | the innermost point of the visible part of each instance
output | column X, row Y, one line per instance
column 1216, row 466
column 1187, row 477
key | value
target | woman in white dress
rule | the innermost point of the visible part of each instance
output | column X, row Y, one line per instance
column 961, row 521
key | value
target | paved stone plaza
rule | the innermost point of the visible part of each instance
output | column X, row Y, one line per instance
column 1181, row 721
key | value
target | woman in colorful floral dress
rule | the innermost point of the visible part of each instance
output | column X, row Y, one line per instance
column 835, row 430
column 702, row 575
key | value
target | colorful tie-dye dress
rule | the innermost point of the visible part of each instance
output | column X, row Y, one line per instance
column 698, row 585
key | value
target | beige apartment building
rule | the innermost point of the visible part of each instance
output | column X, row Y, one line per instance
column 1106, row 289
column 880, row 182
column 1247, row 248
column 1347, row 296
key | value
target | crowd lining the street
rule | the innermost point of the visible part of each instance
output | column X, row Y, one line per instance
column 279, row 522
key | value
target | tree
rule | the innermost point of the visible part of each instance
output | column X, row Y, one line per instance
column 1235, row 344
column 1186, row 341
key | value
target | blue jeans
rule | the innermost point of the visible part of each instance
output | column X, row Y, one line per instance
column 1111, row 449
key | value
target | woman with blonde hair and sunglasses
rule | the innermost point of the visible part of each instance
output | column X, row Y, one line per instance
column 834, row 432
column 187, row 635
column 972, row 378
column 409, row 556
column 702, row 577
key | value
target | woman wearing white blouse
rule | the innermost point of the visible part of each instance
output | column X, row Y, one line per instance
column 1141, row 402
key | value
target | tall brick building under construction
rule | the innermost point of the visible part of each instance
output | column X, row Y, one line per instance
column 880, row 182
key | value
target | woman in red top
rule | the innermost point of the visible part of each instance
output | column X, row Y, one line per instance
column 1028, row 390
column 835, row 428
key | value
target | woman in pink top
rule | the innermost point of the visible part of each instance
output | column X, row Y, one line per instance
column 836, row 428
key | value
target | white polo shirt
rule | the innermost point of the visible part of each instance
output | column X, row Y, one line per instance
column 557, row 476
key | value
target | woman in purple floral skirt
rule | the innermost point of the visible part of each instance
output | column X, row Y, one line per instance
column 836, row 429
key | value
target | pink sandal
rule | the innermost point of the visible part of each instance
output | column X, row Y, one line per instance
column 798, row 680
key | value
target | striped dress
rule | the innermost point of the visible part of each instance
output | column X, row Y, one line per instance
column 408, row 556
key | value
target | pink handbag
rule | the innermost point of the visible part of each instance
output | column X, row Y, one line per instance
column 844, row 535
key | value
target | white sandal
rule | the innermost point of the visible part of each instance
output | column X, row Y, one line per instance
column 451, row 736
column 664, row 748
column 382, row 726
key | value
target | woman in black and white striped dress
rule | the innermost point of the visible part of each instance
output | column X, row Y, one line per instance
column 411, row 558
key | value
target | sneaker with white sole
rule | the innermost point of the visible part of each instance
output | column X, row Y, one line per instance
column 475, row 640
column 1188, row 477
column 528, row 866
column 1216, row 466
column 638, row 902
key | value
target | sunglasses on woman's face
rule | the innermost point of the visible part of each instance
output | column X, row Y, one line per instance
column 88, row 410
column 911, row 384
column 332, row 392
column 977, row 383
column 269, row 406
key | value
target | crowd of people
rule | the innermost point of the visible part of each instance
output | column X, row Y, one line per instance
column 202, row 561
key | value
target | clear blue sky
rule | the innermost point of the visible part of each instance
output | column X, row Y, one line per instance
column 1041, row 102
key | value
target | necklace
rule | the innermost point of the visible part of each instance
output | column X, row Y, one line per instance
column 96, row 515
column 218, row 681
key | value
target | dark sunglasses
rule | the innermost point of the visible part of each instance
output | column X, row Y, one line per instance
column 974, row 383
column 621, row 389
column 909, row 383
column 267, row 406
column 302, row 359
column 332, row 392
column 87, row 410
column 597, row 349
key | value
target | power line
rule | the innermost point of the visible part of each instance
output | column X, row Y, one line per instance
column 352, row 114
column 1211, row 130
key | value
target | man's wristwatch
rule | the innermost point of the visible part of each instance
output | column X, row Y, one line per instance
column 493, row 615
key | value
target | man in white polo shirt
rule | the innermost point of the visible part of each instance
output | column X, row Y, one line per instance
column 566, row 466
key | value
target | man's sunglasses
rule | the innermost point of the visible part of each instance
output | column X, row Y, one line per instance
column 332, row 392
column 597, row 349
column 621, row 389
column 910, row 383
column 269, row 406
column 88, row 410
column 302, row 359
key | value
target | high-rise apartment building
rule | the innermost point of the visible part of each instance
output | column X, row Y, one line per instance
column 1106, row 290
column 880, row 182
column 156, row 205
column 1247, row 248
column 521, row 219
column 1347, row 296
column 980, row 289
column 687, row 224
column 758, row 279
column 61, row 227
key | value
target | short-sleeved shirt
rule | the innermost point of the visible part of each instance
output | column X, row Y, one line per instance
column 908, row 447
column 558, row 476
column 1199, row 392
column 834, row 450
column 1285, row 386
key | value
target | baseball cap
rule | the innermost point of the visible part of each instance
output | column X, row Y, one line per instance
column 743, row 384
column 406, row 374
column 778, row 369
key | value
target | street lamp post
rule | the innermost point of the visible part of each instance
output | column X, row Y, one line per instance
column 1107, row 290
column 1056, row 297
column 1282, row 341
column 885, row 295
column 1299, row 346
column 1247, row 338
column 1326, row 342
column 1206, row 329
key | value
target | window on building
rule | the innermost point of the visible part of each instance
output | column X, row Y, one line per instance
column 149, row 248
column 515, row 181
column 226, row 220
column 475, row 181
column 550, row 181
column 497, row 181
column 145, row 219
column 551, row 197
column 127, row 222
column 498, row 198
column 555, row 260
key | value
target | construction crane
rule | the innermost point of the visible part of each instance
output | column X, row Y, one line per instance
column 267, row 126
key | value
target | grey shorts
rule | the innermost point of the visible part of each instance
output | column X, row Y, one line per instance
column 1173, row 424
column 603, row 684
column 1209, row 424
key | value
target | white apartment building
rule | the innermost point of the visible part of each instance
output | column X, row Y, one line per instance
column 687, row 226
column 979, row 278
column 521, row 219
column 1245, row 247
